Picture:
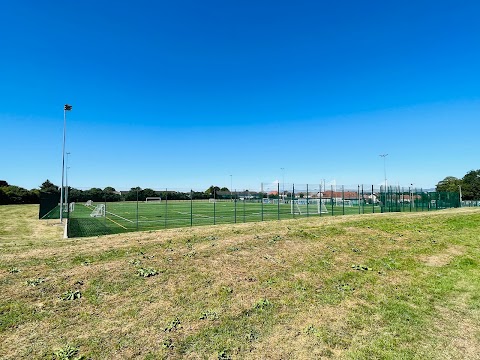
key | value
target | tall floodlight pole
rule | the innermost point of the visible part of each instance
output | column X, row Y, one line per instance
column 66, row 108
column 460, row 190
column 384, row 169
column 66, row 179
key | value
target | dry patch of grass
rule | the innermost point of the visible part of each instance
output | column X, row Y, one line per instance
column 444, row 257
column 343, row 287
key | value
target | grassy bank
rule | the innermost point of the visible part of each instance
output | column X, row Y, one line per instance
column 399, row 286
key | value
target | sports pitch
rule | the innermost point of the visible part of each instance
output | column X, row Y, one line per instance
column 132, row 216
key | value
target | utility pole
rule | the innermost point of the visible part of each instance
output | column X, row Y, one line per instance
column 384, row 156
column 66, row 108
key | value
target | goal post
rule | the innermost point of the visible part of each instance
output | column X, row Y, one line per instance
column 153, row 199
column 99, row 211
column 308, row 206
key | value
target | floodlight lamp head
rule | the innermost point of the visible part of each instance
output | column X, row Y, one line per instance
column 67, row 107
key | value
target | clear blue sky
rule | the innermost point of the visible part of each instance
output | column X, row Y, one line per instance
column 184, row 94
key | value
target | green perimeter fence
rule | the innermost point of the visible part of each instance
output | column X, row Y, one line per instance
column 272, row 202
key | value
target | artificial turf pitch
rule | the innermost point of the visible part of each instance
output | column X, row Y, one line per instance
column 132, row 216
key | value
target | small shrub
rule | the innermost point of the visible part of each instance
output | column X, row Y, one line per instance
column 209, row 315
column 262, row 304
column 251, row 336
column 71, row 295
column 168, row 344
column 226, row 290
column 223, row 355
column 13, row 270
column 275, row 239
column 68, row 352
column 344, row 287
column 311, row 330
column 135, row 262
column 173, row 325
column 146, row 272
column 361, row 268
column 34, row 282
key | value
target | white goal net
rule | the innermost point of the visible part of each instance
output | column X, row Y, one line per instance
column 346, row 203
column 310, row 206
column 99, row 211
column 71, row 206
column 89, row 203
column 153, row 199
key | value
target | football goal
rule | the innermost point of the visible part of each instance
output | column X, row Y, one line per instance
column 346, row 203
column 89, row 203
column 99, row 211
column 153, row 199
column 71, row 206
column 310, row 206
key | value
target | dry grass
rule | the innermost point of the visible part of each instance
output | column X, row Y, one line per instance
column 368, row 286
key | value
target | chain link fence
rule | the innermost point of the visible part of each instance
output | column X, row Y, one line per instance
column 93, row 212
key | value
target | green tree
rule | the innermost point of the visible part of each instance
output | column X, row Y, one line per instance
column 149, row 193
column 49, row 187
column 449, row 184
column 110, row 194
column 132, row 194
column 211, row 190
column 471, row 185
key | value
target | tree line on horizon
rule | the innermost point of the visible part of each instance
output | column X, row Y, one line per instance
column 469, row 186
column 11, row 194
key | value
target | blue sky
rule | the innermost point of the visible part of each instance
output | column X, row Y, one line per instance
column 184, row 94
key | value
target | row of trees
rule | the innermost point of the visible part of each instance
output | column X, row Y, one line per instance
column 10, row 194
column 469, row 185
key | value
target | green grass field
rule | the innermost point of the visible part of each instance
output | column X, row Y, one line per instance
column 383, row 286
column 130, row 216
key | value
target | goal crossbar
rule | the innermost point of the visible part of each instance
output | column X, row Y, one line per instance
column 308, row 206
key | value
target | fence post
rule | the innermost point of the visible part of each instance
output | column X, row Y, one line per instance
column 278, row 201
column 191, row 207
column 235, row 207
column 343, row 199
column 410, row 198
column 105, row 209
column 244, row 199
column 261, row 205
column 214, row 207
column 373, row 202
column 166, row 206
column 137, row 208
column 293, row 200
column 331, row 197
column 307, row 202
column 358, row 199
column 320, row 196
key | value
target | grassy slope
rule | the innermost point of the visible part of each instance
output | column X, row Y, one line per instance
column 261, row 290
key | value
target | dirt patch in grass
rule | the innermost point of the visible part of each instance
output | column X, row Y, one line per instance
column 444, row 258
